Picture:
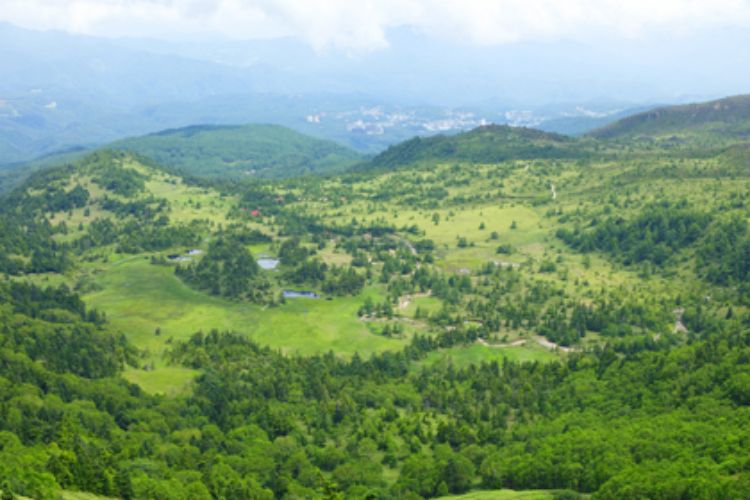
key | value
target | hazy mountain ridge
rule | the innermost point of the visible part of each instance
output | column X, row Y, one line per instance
column 727, row 118
column 61, row 91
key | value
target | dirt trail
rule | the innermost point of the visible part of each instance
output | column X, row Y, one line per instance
column 408, row 244
column 404, row 301
column 515, row 343
column 679, row 326
column 548, row 344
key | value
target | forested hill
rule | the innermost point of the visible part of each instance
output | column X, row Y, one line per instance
column 486, row 144
column 726, row 119
column 265, row 151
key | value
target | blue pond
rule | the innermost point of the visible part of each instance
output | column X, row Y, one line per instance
column 297, row 294
column 266, row 263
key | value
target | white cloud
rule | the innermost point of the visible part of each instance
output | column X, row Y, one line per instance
column 501, row 21
column 361, row 25
column 150, row 18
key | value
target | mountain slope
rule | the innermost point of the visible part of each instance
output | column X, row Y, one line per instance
column 266, row 151
column 487, row 144
column 578, row 125
column 725, row 119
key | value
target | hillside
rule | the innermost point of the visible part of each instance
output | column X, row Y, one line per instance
column 556, row 323
column 262, row 151
column 580, row 125
column 486, row 144
column 722, row 120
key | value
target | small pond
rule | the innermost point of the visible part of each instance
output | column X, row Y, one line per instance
column 267, row 263
column 179, row 258
column 299, row 294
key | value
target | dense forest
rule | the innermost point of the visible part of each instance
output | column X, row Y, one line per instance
column 260, row 424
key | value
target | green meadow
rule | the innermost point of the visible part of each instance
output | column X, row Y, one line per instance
column 466, row 223
column 502, row 495
column 461, row 357
column 139, row 297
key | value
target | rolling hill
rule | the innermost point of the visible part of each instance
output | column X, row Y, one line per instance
column 211, row 151
column 486, row 144
column 725, row 120
column 264, row 151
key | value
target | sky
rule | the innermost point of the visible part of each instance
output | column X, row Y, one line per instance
column 362, row 26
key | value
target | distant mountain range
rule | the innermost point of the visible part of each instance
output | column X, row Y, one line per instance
column 61, row 91
column 719, row 123
column 272, row 151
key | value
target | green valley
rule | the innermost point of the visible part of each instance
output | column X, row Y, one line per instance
column 503, row 313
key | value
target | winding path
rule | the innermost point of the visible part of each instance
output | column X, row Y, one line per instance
column 547, row 344
column 552, row 346
column 404, row 301
column 679, row 326
column 515, row 343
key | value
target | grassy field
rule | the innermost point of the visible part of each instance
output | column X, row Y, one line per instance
column 502, row 495
column 79, row 495
column 139, row 298
column 465, row 223
column 461, row 357
column 188, row 203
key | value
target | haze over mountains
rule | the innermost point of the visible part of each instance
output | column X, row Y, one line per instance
column 259, row 151
column 60, row 90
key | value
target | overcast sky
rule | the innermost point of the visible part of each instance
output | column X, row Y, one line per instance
column 362, row 25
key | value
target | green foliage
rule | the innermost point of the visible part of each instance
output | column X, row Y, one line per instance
column 227, row 269
column 724, row 255
column 656, row 234
column 121, row 181
column 22, row 470
column 343, row 281
column 263, row 151
column 488, row 144
column 504, row 249
column 292, row 253
column 53, row 326
column 136, row 237
column 22, row 236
